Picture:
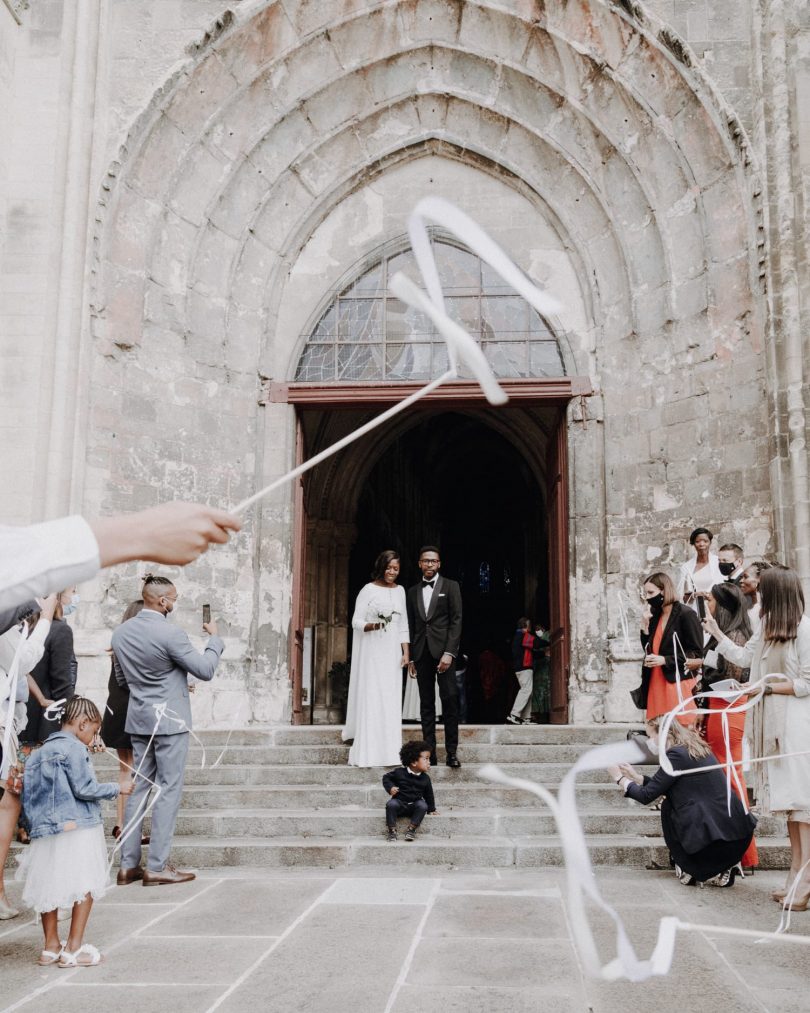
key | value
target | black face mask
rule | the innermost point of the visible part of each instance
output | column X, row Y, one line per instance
column 727, row 569
column 656, row 603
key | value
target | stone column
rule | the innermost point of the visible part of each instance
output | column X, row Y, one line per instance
column 60, row 450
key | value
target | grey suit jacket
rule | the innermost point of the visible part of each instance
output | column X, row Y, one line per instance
column 155, row 658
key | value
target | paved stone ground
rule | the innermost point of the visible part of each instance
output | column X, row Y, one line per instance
column 374, row 941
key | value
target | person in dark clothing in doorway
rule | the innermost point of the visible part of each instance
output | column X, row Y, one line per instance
column 410, row 789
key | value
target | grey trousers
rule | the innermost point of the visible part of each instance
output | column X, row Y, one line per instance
column 522, row 707
column 164, row 762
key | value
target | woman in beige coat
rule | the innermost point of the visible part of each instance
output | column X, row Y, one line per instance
column 781, row 722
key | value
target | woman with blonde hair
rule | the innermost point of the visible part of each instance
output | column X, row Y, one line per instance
column 706, row 834
column 781, row 722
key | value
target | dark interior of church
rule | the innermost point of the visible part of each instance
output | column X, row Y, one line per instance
column 453, row 481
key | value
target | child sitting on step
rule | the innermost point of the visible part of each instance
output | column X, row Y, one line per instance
column 66, row 864
column 410, row 789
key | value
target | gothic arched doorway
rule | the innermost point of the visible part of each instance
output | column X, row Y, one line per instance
column 490, row 487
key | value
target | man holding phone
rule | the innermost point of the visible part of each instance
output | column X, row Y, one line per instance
column 155, row 658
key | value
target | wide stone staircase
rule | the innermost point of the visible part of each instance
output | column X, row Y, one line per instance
column 285, row 797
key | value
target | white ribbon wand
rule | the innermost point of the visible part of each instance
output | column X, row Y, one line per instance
column 460, row 345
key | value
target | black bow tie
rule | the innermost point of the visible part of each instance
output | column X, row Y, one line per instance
column 427, row 583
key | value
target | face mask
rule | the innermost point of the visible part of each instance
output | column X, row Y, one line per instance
column 656, row 602
column 68, row 610
column 727, row 569
column 653, row 742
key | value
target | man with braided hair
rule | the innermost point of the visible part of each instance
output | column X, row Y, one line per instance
column 155, row 658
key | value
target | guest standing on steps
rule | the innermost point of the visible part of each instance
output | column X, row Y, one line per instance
column 156, row 658
column 113, row 725
column 380, row 650
column 434, row 616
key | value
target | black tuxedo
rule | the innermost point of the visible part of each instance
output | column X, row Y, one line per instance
column 433, row 634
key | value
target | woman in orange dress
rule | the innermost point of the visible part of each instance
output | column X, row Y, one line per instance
column 729, row 607
column 670, row 633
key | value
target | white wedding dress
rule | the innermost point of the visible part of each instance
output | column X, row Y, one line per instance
column 374, row 710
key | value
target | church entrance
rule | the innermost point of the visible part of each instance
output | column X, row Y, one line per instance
column 454, row 481
column 488, row 486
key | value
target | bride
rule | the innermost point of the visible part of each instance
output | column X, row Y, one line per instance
column 380, row 651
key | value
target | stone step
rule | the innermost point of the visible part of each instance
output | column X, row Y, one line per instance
column 472, row 734
column 290, row 735
column 469, row 852
column 339, row 754
column 462, row 796
column 549, row 774
column 352, row 823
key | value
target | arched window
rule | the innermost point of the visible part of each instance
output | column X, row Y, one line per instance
column 366, row 334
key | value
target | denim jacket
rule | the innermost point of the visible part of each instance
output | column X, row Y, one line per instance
column 60, row 790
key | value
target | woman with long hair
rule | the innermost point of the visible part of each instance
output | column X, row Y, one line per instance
column 705, row 840
column 729, row 607
column 670, row 634
column 380, row 650
column 780, row 724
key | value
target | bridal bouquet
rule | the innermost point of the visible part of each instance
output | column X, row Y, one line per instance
column 386, row 620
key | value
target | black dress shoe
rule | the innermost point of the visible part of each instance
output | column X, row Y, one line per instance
column 452, row 760
column 434, row 760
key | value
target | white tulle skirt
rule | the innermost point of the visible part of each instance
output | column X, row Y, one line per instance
column 62, row 869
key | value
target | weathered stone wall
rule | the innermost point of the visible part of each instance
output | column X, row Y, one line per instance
column 215, row 231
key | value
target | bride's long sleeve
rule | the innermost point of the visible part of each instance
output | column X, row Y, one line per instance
column 360, row 617
column 404, row 630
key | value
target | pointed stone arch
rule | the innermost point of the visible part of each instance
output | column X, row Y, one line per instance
column 593, row 111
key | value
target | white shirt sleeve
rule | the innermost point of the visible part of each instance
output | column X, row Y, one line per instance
column 42, row 558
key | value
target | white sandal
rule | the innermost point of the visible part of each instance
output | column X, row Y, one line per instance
column 72, row 959
column 48, row 957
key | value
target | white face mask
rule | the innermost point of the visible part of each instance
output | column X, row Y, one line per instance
column 68, row 610
column 653, row 741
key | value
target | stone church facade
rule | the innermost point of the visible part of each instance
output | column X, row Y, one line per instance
column 200, row 207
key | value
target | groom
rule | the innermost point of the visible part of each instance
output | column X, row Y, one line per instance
column 434, row 616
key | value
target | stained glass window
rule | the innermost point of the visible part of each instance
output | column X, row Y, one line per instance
column 366, row 334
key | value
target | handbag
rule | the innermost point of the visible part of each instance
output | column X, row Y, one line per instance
column 639, row 697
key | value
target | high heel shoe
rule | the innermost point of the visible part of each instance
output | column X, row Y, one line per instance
column 799, row 903
column 7, row 912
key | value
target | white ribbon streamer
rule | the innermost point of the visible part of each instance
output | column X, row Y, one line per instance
column 581, row 883
column 461, row 346
column 623, row 620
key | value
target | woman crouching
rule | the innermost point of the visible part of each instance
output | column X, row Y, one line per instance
column 706, row 834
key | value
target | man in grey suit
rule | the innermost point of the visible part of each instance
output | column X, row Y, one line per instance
column 155, row 658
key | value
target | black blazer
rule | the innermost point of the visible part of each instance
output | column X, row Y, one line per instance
column 439, row 631
column 683, row 622
column 697, row 804
column 411, row 786
column 55, row 674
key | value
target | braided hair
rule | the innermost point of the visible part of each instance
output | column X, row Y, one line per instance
column 153, row 578
column 79, row 707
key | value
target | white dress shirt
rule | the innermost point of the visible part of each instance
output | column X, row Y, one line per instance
column 427, row 594
column 42, row 558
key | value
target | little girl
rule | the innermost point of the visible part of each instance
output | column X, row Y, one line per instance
column 66, row 864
